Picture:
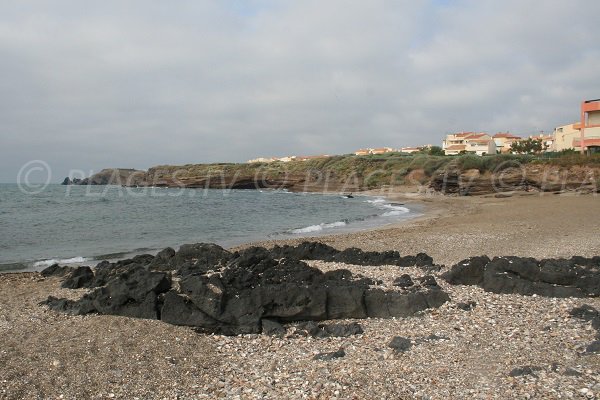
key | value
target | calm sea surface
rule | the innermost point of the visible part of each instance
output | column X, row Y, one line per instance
column 79, row 224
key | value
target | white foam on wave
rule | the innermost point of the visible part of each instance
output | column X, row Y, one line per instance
column 47, row 263
column 378, row 200
column 396, row 208
column 393, row 213
column 392, row 210
column 320, row 227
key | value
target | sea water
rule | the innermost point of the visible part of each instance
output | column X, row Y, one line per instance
column 81, row 224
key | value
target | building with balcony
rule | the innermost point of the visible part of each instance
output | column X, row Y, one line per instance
column 589, row 126
column 468, row 142
column 503, row 141
column 586, row 131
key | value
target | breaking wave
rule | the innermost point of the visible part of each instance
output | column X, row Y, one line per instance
column 47, row 263
column 319, row 227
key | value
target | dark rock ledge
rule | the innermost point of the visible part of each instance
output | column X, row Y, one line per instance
column 574, row 277
column 204, row 286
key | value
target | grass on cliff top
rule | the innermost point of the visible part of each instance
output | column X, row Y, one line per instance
column 375, row 169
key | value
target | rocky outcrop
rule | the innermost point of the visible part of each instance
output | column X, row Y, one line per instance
column 575, row 277
column 110, row 176
column 207, row 287
column 589, row 314
column 80, row 277
column 355, row 256
column 511, row 176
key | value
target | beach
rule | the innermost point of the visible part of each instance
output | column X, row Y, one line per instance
column 454, row 354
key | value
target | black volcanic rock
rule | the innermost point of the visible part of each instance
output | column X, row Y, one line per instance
column 272, row 328
column 468, row 306
column 56, row 270
column 577, row 277
column 133, row 293
column 245, row 292
column 78, row 278
column 191, row 259
column 587, row 313
column 526, row 370
column 330, row 356
column 404, row 281
column 355, row 256
column 313, row 329
column 306, row 251
column 400, row 344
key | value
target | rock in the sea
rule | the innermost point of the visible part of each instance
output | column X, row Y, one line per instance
column 250, row 291
column 577, row 277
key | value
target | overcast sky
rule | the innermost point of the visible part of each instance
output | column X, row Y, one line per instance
column 87, row 85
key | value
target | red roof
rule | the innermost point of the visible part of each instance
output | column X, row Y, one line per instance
column 456, row 147
column 476, row 135
column 463, row 134
column 506, row 136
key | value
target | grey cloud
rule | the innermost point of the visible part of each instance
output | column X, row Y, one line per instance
column 91, row 85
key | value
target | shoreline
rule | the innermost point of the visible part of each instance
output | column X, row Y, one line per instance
column 431, row 207
column 522, row 224
column 473, row 353
column 372, row 223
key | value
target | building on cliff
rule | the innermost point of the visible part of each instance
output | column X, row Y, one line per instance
column 379, row 150
column 587, row 130
column 504, row 140
column 468, row 142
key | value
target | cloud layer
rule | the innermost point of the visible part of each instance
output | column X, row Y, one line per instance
column 134, row 84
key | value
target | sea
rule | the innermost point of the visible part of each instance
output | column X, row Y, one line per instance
column 81, row 225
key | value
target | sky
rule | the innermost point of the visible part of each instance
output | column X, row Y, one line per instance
column 133, row 84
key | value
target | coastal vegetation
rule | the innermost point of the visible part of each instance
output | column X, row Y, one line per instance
column 354, row 173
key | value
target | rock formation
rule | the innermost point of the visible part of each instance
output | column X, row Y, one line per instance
column 575, row 277
column 205, row 286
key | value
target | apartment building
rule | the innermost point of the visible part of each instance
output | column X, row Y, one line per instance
column 468, row 142
column 503, row 141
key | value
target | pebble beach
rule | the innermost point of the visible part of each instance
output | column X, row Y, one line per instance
column 500, row 347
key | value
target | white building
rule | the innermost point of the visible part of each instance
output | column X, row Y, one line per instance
column 468, row 142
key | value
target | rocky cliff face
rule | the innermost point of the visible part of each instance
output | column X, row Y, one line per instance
column 110, row 176
column 540, row 178
column 449, row 178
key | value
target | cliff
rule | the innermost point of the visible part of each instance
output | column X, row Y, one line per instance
column 462, row 175
column 110, row 176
